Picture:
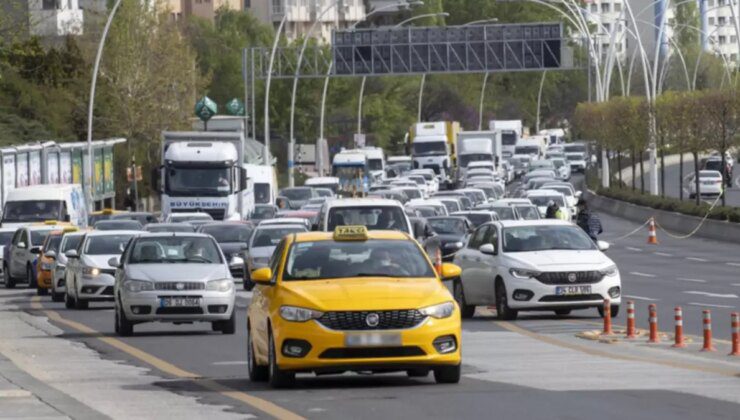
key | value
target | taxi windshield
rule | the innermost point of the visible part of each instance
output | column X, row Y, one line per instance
column 545, row 238
column 347, row 259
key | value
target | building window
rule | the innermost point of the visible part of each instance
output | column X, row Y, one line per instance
column 247, row 4
column 617, row 7
column 604, row 7
column 711, row 21
column 607, row 27
column 733, row 39
column 277, row 6
column 721, row 20
column 733, row 57
column 722, row 39
column 720, row 2
column 50, row 4
column 594, row 7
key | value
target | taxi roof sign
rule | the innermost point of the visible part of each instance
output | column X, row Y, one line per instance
column 350, row 233
column 70, row 229
column 50, row 222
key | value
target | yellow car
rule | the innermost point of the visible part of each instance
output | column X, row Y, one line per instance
column 352, row 300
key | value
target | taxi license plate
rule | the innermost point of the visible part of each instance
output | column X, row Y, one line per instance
column 179, row 302
column 372, row 339
column 573, row 290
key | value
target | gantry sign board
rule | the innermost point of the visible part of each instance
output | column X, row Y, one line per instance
column 425, row 50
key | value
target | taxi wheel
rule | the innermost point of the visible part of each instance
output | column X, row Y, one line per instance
column 257, row 373
column 447, row 374
column 124, row 327
column 9, row 281
column 278, row 378
column 466, row 311
column 503, row 311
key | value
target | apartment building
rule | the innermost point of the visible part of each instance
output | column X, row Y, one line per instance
column 719, row 28
column 54, row 18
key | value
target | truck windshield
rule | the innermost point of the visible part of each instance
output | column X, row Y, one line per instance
column 201, row 181
column 527, row 150
column 261, row 193
column 32, row 211
column 432, row 148
column 475, row 157
column 508, row 138
column 375, row 164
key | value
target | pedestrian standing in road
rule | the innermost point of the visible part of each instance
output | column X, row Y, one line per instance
column 552, row 210
column 588, row 221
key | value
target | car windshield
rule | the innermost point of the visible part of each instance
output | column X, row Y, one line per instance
column 229, row 232
column 5, row 238
column 431, row 148
column 118, row 225
column 504, row 213
column 347, row 259
column 171, row 227
column 323, row 192
column 574, row 156
column 412, row 193
column 451, row 205
column 490, row 191
column 296, row 193
column 559, row 188
column 374, row 218
column 542, row 200
column 261, row 193
column 574, row 148
column 558, row 162
column 528, row 212
column 191, row 180
column 465, row 160
column 39, row 236
column 271, row 236
column 175, row 249
column 375, row 164
column 544, row 238
column 477, row 219
column 32, row 211
column 106, row 245
column 508, row 138
column 527, row 150
column 52, row 243
column 444, row 226
column 71, row 242
column 263, row 212
column 425, row 211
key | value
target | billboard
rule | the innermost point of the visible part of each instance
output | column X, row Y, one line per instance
column 77, row 167
column 8, row 174
column 109, row 174
column 52, row 168
column 98, row 182
column 21, row 164
column 65, row 168
column 34, row 168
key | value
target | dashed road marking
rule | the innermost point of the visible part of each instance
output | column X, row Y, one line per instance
column 691, row 280
column 697, row 259
column 734, row 264
column 711, row 305
column 235, row 362
column 641, row 298
column 633, row 248
column 715, row 295
column 637, row 273
column 663, row 254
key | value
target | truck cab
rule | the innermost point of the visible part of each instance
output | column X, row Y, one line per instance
column 433, row 146
column 350, row 167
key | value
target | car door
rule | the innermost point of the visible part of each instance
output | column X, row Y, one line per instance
column 18, row 256
column 472, row 267
column 263, row 297
column 11, row 255
column 490, row 264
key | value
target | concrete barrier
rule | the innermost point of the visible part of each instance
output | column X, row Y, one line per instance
column 676, row 223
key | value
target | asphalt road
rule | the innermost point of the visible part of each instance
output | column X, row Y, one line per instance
column 673, row 185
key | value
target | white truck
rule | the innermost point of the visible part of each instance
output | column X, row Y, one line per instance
column 511, row 132
column 205, row 172
column 534, row 146
column 476, row 146
column 351, row 169
column 433, row 146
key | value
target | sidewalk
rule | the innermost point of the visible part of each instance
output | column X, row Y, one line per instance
column 47, row 377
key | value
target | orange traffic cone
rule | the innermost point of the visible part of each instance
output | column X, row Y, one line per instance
column 652, row 236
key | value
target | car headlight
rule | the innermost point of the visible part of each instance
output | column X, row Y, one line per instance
column 46, row 266
column 609, row 271
column 454, row 245
column 135, row 286
column 90, row 272
column 522, row 273
column 442, row 310
column 223, row 285
column 296, row 314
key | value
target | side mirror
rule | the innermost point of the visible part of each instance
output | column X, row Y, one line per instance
column 71, row 254
column 21, row 245
column 114, row 262
column 262, row 276
column 603, row 246
column 50, row 254
column 35, row 250
column 579, row 194
column 487, row 249
column 450, row 271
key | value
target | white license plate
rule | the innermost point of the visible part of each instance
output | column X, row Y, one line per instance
column 372, row 339
column 572, row 290
column 179, row 302
column 707, row 183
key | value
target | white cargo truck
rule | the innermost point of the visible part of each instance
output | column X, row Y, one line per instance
column 511, row 132
column 478, row 146
column 433, row 147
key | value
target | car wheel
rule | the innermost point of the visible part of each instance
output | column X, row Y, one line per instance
column 124, row 327
column 614, row 311
column 69, row 301
column 80, row 304
column 417, row 373
column 447, row 374
column 56, row 297
column 257, row 373
column 277, row 378
column 229, row 326
column 466, row 311
column 562, row 312
column 30, row 278
column 9, row 282
column 503, row 310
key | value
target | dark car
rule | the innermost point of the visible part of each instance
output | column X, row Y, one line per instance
column 232, row 238
column 452, row 232
column 113, row 224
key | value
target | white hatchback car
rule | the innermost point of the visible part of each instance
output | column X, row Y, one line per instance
column 535, row 265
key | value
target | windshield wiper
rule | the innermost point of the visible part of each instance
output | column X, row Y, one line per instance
column 372, row 275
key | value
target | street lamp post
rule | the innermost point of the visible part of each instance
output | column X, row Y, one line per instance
column 98, row 57
column 266, row 153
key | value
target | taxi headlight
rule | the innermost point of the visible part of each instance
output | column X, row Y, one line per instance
column 223, row 285
column 135, row 286
column 609, row 271
column 296, row 314
column 90, row 272
column 442, row 310
column 522, row 273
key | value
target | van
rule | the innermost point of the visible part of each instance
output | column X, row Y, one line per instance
column 39, row 203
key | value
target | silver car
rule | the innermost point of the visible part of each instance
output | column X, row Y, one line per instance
column 58, row 281
column 261, row 246
column 88, row 277
column 173, row 277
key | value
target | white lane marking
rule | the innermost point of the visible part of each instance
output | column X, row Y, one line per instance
column 735, row 284
column 696, row 259
column 635, row 273
column 734, row 264
column 716, row 295
column 633, row 249
column 691, row 280
column 711, row 305
column 641, row 298
column 235, row 362
column 663, row 254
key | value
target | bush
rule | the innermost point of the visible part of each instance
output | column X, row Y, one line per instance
column 730, row 214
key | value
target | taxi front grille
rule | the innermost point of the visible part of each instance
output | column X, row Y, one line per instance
column 570, row 277
column 178, row 285
column 358, row 320
column 371, row 352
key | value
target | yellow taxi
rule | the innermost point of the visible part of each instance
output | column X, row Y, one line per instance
column 103, row 214
column 352, row 300
column 46, row 260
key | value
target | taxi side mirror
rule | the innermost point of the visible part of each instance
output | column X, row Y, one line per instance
column 262, row 276
column 450, row 271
